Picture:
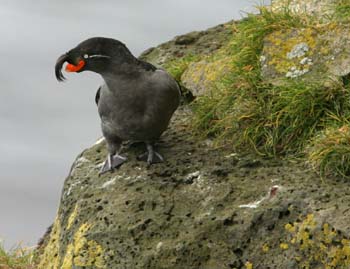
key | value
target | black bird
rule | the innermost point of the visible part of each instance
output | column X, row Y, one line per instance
column 135, row 102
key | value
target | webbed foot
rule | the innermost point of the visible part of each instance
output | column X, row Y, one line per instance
column 112, row 162
column 151, row 156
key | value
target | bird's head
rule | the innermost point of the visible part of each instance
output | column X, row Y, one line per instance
column 95, row 54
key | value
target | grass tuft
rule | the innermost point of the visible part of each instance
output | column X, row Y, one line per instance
column 329, row 152
column 17, row 258
column 272, row 120
column 178, row 66
column 342, row 10
column 247, row 113
column 244, row 110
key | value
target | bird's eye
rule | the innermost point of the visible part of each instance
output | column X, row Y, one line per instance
column 86, row 56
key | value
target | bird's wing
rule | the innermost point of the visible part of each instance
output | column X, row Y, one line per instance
column 97, row 97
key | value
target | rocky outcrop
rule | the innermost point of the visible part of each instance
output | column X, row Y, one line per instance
column 202, row 43
column 203, row 75
column 208, row 207
column 204, row 208
column 203, row 71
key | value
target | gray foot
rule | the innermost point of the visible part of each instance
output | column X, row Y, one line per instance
column 151, row 156
column 112, row 163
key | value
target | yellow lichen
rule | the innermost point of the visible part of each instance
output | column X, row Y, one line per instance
column 83, row 252
column 68, row 258
column 72, row 217
column 80, row 252
column 205, row 73
column 325, row 50
column 284, row 246
column 282, row 42
column 50, row 259
column 265, row 248
column 318, row 245
column 290, row 228
column 328, row 233
column 248, row 265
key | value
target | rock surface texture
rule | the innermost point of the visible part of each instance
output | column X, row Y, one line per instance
column 207, row 207
column 312, row 7
column 199, row 75
column 204, row 208
column 307, row 53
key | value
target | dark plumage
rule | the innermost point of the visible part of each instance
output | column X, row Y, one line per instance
column 136, row 101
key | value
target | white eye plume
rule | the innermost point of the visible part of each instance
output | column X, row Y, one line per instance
column 86, row 56
column 99, row 56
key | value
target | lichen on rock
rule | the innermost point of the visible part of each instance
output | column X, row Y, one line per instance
column 50, row 258
column 184, row 213
column 204, row 75
column 320, row 51
column 82, row 252
column 289, row 53
column 210, row 206
column 312, row 7
column 317, row 245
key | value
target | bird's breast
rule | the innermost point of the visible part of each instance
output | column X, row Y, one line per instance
column 139, row 112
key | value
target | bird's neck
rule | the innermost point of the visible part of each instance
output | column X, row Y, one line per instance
column 122, row 71
column 119, row 79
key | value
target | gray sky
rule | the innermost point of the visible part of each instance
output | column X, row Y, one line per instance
column 44, row 124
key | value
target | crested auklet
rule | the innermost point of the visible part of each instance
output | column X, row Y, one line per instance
column 136, row 101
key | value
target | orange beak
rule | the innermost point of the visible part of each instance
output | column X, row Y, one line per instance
column 75, row 68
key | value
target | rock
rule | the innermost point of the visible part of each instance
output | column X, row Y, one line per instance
column 202, row 76
column 187, row 212
column 208, row 207
column 187, row 39
column 311, row 7
column 316, row 52
column 193, row 43
column 298, row 51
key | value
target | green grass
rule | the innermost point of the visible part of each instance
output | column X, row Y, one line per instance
column 272, row 120
column 329, row 151
column 178, row 66
column 248, row 114
column 342, row 10
column 17, row 258
column 243, row 109
column 247, row 44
